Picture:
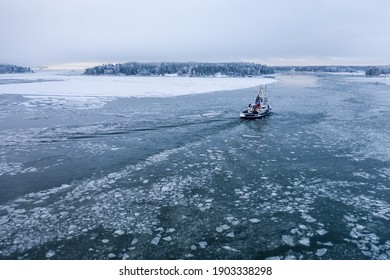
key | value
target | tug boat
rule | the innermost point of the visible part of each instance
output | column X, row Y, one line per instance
column 260, row 108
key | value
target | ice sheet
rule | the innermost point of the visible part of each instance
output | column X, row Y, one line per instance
column 66, row 84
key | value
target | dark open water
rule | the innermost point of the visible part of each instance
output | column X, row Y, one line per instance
column 185, row 178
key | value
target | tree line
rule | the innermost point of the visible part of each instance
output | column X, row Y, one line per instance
column 321, row 68
column 234, row 69
column 378, row 70
column 205, row 69
column 8, row 68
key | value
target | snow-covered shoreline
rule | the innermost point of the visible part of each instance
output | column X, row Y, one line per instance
column 69, row 89
column 68, row 84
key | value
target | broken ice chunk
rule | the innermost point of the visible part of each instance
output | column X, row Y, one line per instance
column 134, row 241
column 308, row 218
column 50, row 254
column 119, row 232
column 375, row 248
column 230, row 218
column 321, row 252
column 360, row 227
column 354, row 234
column 303, row 227
column 111, row 255
column 290, row 257
column 167, row 238
column 219, row 229
column 156, row 239
column 202, row 244
column 254, row 220
column 160, row 229
column 273, row 258
column 322, row 231
column 3, row 221
column 230, row 234
column 230, row 248
column 20, row 211
column 225, row 227
column 304, row 241
column 289, row 240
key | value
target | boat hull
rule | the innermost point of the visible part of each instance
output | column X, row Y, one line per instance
column 250, row 115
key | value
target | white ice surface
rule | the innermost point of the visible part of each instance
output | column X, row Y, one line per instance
column 64, row 84
column 384, row 80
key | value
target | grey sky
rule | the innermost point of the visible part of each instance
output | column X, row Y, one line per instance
column 277, row 32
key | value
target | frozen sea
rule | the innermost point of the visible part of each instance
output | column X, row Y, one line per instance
column 155, row 168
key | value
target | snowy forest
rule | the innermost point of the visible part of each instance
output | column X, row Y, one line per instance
column 205, row 69
column 7, row 68
column 181, row 69
column 378, row 70
column 321, row 68
column 194, row 69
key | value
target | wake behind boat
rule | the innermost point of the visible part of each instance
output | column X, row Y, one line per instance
column 260, row 108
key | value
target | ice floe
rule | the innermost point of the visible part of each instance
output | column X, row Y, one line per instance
column 304, row 241
column 321, row 231
column 288, row 239
column 321, row 252
column 119, row 232
column 228, row 248
column 156, row 239
column 203, row 244
column 111, row 255
column 230, row 234
column 50, row 254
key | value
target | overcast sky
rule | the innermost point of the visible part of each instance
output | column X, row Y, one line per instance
column 274, row 32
